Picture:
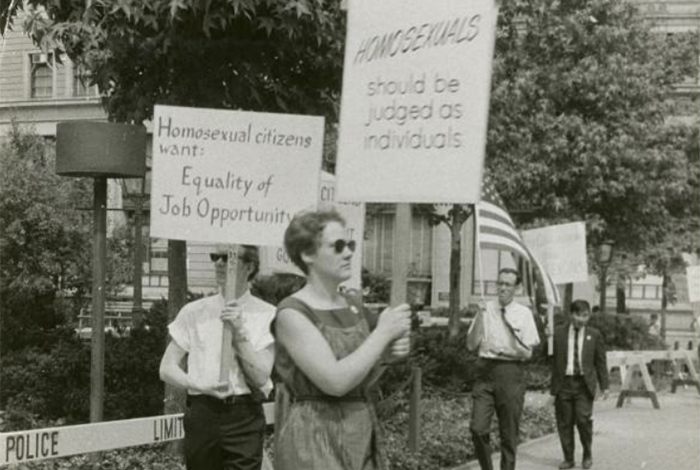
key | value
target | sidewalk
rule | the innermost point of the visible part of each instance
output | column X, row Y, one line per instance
column 633, row 437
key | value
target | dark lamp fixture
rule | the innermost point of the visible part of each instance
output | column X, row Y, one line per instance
column 605, row 252
column 133, row 186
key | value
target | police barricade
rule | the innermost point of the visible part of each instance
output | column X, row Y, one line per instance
column 630, row 362
column 40, row 444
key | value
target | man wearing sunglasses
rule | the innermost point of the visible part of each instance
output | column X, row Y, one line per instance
column 504, row 335
column 224, row 422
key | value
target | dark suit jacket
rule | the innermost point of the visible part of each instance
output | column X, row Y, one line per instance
column 594, row 365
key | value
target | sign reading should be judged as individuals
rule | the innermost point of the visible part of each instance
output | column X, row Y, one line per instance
column 232, row 176
column 276, row 259
column 416, row 85
column 561, row 249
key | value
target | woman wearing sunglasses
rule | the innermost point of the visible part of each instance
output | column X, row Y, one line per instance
column 329, row 350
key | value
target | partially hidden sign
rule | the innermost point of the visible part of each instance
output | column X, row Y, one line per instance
column 232, row 176
column 414, row 107
column 561, row 249
column 693, row 276
column 276, row 259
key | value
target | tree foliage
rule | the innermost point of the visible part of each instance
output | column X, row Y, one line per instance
column 578, row 126
column 45, row 242
column 271, row 55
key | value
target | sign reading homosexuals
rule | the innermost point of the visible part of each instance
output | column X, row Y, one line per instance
column 232, row 176
column 276, row 259
column 416, row 85
column 561, row 249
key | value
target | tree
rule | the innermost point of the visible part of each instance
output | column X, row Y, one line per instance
column 578, row 123
column 272, row 55
column 45, row 243
column 454, row 218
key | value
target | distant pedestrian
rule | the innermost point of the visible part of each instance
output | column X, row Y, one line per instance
column 654, row 326
column 695, row 326
column 504, row 334
column 579, row 365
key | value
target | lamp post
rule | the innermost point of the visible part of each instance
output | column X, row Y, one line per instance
column 100, row 150
column 135, row 189
column 605, row 254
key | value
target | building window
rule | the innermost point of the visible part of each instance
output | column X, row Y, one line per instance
column 41, row 75
column 379, row 245
column 81, row 82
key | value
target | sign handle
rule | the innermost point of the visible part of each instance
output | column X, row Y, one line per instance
column 232, row 290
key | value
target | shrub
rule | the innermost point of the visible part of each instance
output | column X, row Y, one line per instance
column 621, row 332
column 376, row 287
column 445, row 439
column 275, row 287
column 31, row 377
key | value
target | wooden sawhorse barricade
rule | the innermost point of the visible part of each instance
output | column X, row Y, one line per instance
column 629, row 361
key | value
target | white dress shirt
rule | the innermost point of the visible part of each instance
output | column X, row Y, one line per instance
column 198, row 329
column 497, row 340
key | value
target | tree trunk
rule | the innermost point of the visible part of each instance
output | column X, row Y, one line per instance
column 568, row 298
column 177, row 297
column 620, row 296
column 664, row 304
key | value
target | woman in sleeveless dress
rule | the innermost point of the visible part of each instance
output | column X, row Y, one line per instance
column 329, row 350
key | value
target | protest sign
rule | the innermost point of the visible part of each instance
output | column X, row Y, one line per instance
column 414, row 108
column 561, row 250
column 276, row 259
column 232, row 176
column 693, row 276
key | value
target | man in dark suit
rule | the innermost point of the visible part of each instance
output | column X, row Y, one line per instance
column 579, row 365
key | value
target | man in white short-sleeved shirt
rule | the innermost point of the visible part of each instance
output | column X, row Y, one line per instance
column 224, row 422
column 504, row 334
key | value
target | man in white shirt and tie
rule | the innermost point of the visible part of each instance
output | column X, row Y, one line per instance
column 504, row 334
column 578, row 367
column 224, row 422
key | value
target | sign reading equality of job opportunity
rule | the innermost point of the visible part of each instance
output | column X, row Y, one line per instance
column 232, row 176
column 414, row 107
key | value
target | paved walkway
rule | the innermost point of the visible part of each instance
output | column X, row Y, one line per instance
column 633, row 437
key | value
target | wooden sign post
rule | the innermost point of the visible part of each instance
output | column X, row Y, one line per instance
column 234, row 287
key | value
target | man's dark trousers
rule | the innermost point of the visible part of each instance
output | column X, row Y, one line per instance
column 223, row 436
column 499, row 388
column 574, row 407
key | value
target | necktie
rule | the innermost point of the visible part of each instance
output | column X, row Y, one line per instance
column 511, row 329
column 577, row 364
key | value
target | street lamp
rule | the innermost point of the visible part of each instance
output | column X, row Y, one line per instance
column 135, row 189
column 100, row 150
column 605, row 254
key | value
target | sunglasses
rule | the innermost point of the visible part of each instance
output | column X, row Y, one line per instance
column 214, row 257
column 340, row 244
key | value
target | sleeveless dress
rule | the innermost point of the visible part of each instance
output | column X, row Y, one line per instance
column 323, row 432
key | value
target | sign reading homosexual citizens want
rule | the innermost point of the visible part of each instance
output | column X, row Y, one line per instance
column 414, row 107
column 232, row 176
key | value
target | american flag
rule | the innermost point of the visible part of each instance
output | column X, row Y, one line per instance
column 497, row 231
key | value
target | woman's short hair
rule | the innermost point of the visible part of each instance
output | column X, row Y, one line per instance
column 304, row 234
